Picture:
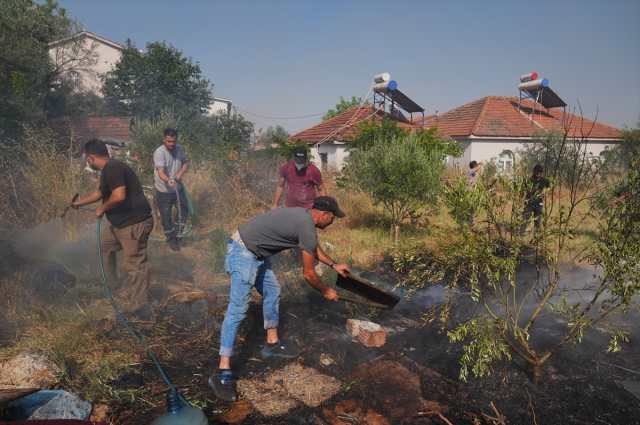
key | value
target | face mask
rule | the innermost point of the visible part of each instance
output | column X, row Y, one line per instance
column 300, row 166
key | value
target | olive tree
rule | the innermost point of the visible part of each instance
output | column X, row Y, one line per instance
column 400, row 174
column 485, row 260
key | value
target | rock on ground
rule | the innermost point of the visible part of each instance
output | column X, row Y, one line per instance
column 30, row 370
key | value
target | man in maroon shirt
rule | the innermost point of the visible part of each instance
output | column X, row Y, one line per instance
column 301, row 177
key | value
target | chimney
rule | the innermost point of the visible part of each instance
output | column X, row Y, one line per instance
column 437, row 113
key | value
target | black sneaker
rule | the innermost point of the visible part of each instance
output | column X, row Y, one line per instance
column 222, row 385
column 174, row 245
column 279, row 350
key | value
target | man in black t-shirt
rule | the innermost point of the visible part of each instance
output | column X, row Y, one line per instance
column 129, row 215
column 534, row 202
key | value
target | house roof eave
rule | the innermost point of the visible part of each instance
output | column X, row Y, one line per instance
column 89, row 34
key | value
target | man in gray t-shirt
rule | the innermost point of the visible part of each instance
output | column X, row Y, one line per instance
column 170, row 165
column 249, row 265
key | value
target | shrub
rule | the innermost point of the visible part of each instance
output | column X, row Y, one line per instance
column 400, row 175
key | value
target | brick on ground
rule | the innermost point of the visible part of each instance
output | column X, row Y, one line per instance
column 370, row 334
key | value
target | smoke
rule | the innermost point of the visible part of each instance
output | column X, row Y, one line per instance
column 39, row 244
column 578, row 283
column 420, row 301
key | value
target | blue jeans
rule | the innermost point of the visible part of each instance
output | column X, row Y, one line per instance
column 247, row 271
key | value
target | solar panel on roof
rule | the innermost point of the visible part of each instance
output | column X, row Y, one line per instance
column 547, row 98
column 403, row 101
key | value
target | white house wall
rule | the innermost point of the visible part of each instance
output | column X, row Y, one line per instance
column 336, row 154
column 220, row 105
column 107, row 56
column 485, row 149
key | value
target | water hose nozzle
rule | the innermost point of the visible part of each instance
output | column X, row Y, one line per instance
column 69, row 206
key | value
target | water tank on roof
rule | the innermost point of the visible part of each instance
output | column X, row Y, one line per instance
column 528, row 77
column 532, row 85
column 382, row 78
column 386, row 86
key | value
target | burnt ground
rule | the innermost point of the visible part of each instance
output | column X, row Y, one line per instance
column 412, row 379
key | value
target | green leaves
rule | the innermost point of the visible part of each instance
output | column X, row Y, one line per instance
column 144, row 84
column 484, row 349
column 400, row 175
column 344, row 106
column 26, row 70
column 564, row 309
column 212, row 137
column 480, row 260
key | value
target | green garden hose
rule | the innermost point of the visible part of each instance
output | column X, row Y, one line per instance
column 113, row 303
column 115, row 307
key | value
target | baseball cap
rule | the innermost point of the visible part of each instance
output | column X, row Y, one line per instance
column 328, row 203
column 300, row 155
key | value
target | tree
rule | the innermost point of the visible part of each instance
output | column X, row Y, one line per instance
column 400, row 175
column 371, row 130
column 387, row 129
column 486, row 260
column 629, row 149
column 68, row 101
column 273, row 134
column 144, row 84
column 213, row 136
column 556, row 153
column 344, row 106
column 26, row 70
column 147, row 134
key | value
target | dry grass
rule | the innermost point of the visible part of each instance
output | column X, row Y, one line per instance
column 42, row 179
column 283, row 389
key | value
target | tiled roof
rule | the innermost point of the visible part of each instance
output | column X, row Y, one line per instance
column 85, row 129
column 498, row 116
column 418, row 119
column 345, row 125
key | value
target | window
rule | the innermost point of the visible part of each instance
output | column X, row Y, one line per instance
column 323, row 160
column 74, row 77
column 505, row 163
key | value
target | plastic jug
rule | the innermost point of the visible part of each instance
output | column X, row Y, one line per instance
column 177, row 414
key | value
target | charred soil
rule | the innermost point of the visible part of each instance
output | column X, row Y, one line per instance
column 411, row 379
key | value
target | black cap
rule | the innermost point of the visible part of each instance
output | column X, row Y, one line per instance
column 300, row 155
column 327, row 203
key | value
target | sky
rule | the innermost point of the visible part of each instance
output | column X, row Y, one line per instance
column 287, row 59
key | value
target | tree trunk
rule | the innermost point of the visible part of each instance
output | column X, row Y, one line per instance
column 537, row 375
